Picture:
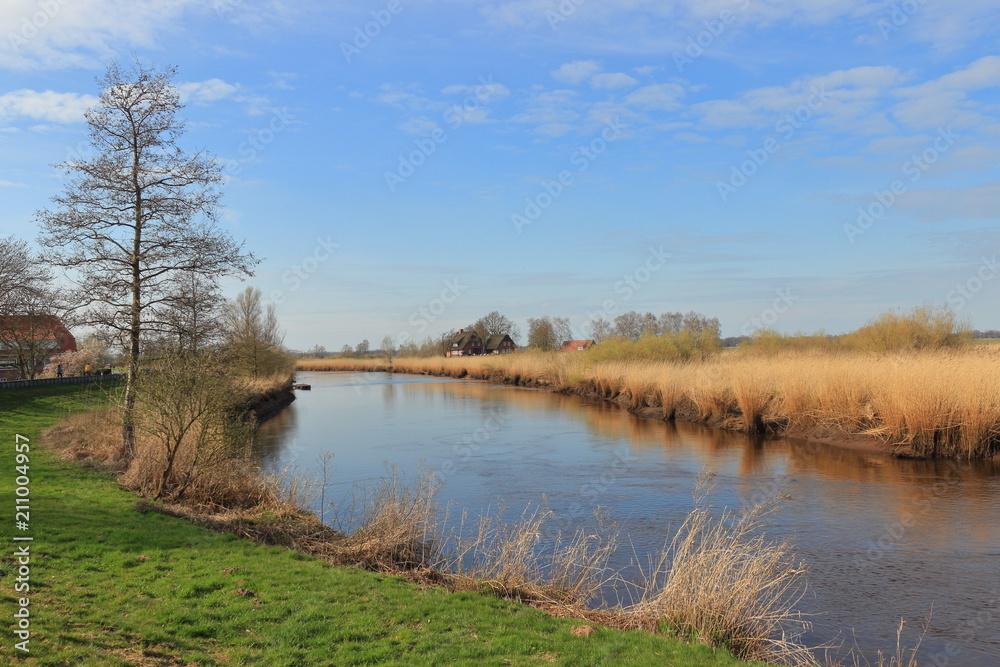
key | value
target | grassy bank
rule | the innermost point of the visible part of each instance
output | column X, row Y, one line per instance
column 113, row 586
column 943, row 403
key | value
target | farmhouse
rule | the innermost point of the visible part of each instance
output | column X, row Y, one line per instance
column 27, row 342
column 499, row 344
column 576, row 346
column 464, row 344
column 468, row 343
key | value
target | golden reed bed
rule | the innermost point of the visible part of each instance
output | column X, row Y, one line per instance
column 927, row 404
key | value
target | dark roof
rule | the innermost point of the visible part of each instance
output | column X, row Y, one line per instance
column 494, row 342
column 463, row 340
column 573, row 345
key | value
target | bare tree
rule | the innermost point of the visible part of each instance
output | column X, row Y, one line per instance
column 253, row 336
column 363, row 347
column 601, row 329
column 30, row 325
column 388, row 348
column 192, row 313
column 33, row 332
column 548, row 333
column 317, row 351
column 137, row 213
column 494, row 323
column 629, row 325
column 22, row 275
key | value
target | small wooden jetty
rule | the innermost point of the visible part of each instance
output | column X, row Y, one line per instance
column 303, row 387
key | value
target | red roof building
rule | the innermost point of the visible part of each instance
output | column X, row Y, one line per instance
column 27, row 342
column 576, row 346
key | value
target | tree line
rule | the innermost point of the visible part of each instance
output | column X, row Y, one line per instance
column 546, row 333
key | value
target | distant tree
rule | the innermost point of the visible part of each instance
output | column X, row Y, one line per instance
column 443, row 343
column 31, row 310
column 600, row 329
column 493, row 324
column 409, row 349
column 347, row 351
column 317, row 351
column 23, row 276
column 253, row 336
column 671, row 323
column 388, row 348
column 629, row 325
column 548, row 333
column 136, row 214
column 363, row 347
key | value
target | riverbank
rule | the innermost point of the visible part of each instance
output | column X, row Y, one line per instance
column 922, row 405
column 114, row 584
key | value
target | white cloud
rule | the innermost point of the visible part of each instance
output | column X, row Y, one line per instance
column 612, row 81
column 947, row 100
column 62, row 34
column 659, row 97
column 577, row 71
column 48, row 105
column 421, row 126
column 203, row 92
column 11, row 184
column 485, row 93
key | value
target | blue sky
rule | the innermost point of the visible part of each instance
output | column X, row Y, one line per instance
column 406, row 167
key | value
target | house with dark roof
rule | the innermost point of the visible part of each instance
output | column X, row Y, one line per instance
column 27, row 342
column 464, row 344
column 499, row 344
column 576, row 345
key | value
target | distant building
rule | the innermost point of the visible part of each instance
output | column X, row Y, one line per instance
column 464, row 344
column 27, row 342
column 576, row 346
column 499, row 344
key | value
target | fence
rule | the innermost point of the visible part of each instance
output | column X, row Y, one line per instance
column 65, row 380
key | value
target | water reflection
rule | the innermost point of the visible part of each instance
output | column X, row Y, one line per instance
column 883, row 537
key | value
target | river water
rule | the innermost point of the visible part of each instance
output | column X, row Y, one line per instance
column 882, row 538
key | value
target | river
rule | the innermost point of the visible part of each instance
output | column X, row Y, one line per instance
column 882, row 538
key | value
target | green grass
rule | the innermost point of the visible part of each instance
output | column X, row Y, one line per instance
column 111, row 586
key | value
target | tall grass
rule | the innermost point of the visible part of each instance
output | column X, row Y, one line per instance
column 930, row 403
column 719, row 581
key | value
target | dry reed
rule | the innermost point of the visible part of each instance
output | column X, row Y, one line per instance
column 939, row 403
